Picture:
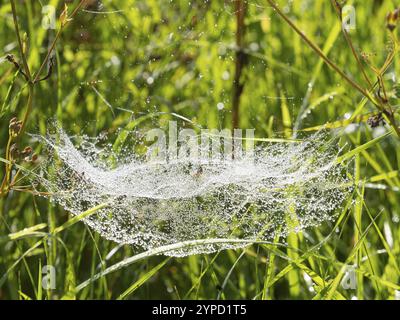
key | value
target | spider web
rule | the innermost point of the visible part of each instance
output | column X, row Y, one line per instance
column 283, row 188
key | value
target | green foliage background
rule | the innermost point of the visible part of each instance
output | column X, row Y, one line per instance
column 179, row 57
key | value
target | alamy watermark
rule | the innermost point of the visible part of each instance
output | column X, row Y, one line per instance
column 349, row 19
column 49, row 17
column 349, row 280
column 210, row 144
column 48, row 277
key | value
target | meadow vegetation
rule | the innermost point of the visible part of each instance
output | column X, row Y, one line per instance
column 285, row 68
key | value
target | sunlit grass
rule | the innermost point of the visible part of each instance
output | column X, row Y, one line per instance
column 117, row 69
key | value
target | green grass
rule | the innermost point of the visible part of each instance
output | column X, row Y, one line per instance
column 102, row 67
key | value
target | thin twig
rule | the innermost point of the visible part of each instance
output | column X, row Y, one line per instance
column 338, row 9
column 53, row 45
column 391, row 119
column 10, row 58
column 20, row 44
column 322, row 55
column 240, row 8
column 49, row 71
column 27, row 74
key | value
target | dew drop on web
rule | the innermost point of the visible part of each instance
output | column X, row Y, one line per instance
column 229, row 203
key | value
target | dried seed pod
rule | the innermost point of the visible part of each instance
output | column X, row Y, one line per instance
column 376, row 120
column 13, row 120
column 27, row 151
column 392, row 19
column 15, row 127
column 10, row 58
column 14, row 152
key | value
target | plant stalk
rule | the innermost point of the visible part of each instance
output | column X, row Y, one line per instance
column 240, row 61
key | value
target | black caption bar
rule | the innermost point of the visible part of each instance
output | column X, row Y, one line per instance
column 189, row 309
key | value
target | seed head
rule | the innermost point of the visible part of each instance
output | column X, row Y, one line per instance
column 15, row 127
column 34, row 158
column 27, row 151
column 392, row 19
column 14, row 151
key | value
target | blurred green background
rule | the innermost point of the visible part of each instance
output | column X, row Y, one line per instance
column 119, row 60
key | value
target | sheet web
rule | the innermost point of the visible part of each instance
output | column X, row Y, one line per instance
column 282, row 188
